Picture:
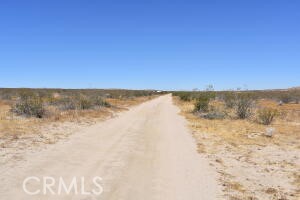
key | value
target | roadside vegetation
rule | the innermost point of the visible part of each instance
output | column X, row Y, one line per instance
column 241, row 104
column 35, row 118
column 251, row 137
column 36, row 102
column 22, row 110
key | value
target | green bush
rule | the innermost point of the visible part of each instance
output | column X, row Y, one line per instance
column 99, row 101
column 243, row 105
column 229, row 99
column 267, row 115
column 286, row 98
column 214, row 115
column 84, row 103
column 202, row 104
column 185, row 96
column 30, row 105
column 202, row 101
column 80, row 102
column 66, row 103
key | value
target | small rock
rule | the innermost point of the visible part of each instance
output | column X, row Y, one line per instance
column 270, row 132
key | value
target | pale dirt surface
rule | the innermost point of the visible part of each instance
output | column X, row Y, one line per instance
column 39, row 136
column 19, row 134
column 253, row 171
column 251, row 165
column 145, row 153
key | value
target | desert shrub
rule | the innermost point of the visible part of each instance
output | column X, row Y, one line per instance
column 84, row 103
column 99, row 101
column 80, row 102
column 286, row 98
column 202, row 103
column 267, row 115
column 5, row 94
column 229, row 99
column 215, row 114
column 243, row 105
column 211, row 95
column 298, row 98
column 66, row 103
column 184, row 96
column 296, row 94
column 30, row 104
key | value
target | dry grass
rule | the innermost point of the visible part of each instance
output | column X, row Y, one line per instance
column 12, row 125
column 238, row 131
column 288, row 112
column 250, row 163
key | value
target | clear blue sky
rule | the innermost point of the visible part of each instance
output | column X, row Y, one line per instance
column 150, row 44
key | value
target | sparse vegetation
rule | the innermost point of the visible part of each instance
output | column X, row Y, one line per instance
column 244, row 141
column 37, row 102
column 27, row 110
column 229, row 99
column 99, row 101
column 202, row 101
column 286, row 98
column 243, row 105
column 184, row 96
column 214, row 114
column 267, row 115
column 202, row 104
column 66, row 103
column 30, row 104
column 84, row 103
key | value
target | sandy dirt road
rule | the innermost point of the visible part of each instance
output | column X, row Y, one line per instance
column 146, row 153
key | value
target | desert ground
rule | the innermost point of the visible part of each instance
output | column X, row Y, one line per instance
column 145, row 145
column 144, row 153
column 20, row 133
column 250, row 163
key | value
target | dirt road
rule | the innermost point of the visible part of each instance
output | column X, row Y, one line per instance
column 146, row 153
